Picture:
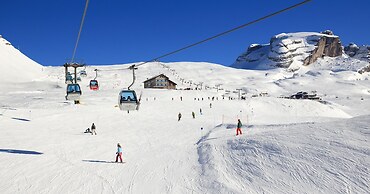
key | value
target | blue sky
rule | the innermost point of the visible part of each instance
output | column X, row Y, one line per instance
column 121, row 31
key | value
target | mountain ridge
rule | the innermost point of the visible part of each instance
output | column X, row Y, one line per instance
column 295, row 50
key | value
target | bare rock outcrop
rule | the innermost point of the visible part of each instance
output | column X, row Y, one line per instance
column 327, row 46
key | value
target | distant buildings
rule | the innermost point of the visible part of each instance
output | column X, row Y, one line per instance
column 160, row 82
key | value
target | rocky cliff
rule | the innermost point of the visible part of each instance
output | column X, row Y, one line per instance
column 290, row 50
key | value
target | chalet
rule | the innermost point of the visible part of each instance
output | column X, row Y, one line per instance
column 160, row 82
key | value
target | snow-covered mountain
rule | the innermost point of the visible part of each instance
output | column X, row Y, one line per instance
column 295, row 50
column 358, row 52
column 15, row 66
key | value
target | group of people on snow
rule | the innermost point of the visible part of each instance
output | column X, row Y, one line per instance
column 92, row 130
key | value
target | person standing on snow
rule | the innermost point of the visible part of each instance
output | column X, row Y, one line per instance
column 200, row 111
column 239, row 127
column 93, row 129
column 193, row 114
column 119, row 153
column 179, row 116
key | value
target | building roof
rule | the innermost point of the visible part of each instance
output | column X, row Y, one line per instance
column 158, row 76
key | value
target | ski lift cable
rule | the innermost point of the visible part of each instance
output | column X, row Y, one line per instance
column 218, row 35
column 79, row 32
column 226, row 32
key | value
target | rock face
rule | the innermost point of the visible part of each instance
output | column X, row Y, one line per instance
column 360, row 53
column 327, row 46
column 291, row 50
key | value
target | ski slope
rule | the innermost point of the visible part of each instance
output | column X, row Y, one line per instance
column 287, row 146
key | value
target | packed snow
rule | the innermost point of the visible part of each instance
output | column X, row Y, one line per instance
column 287, row 145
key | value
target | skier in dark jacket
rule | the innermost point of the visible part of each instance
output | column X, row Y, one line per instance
column 239, row 127
column 179, row 116
column 193, row 114
column 93, row 129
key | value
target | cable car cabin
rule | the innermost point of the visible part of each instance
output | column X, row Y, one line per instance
column 128, row 100
column 83, row 73
column 69, row 79
column 73, row 92
column 94, row 85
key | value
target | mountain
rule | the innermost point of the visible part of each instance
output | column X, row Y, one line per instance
column 15, row 66
column 292, row 51
column 358, row 52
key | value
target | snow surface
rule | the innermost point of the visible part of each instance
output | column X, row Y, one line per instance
column 287, row 146
column 15, row 66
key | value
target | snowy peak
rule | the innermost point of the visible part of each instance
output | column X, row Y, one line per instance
column 290, row 50
column 18, row 67
column 358, row 52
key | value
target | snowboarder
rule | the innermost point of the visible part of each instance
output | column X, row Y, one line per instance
column 210, row 105
column 181, row 98
column 87, row 130
column 239, row 127
column 93, row 129
column 179, row 116
column 192, row 113
column 200, row 111
column 119, row 153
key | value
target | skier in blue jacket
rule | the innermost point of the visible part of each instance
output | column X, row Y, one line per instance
column 119, row 153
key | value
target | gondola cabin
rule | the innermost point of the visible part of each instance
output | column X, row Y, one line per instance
column 69, row 79
column 73, row 92
column 83, row 73
column 94, row 85
column 127, row 100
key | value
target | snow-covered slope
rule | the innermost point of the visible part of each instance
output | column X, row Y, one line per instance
column 15, row 66
column 287, row 146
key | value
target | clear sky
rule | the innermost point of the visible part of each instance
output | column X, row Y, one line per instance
column 121, row 31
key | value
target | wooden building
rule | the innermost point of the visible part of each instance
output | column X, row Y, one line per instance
column 160, row 82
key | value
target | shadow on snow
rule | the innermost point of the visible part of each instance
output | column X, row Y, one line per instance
column 98, row 161
column 12, row 151
column 20, row 119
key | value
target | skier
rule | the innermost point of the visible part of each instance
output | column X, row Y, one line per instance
column 179, row 116
column 192, row 113
column 119, row 153
column 93, row 129
column 239, row 127
column 200, row 111
column 210, row 105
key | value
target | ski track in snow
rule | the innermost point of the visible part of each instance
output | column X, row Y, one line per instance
column 287, row 146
